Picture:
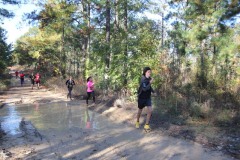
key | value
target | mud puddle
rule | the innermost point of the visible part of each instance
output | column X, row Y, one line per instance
column 58, row 117
column 10, row 120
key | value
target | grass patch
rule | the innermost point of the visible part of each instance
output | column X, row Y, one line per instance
column 224, row 118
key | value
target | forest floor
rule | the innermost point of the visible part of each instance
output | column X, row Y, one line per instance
column 121, row 142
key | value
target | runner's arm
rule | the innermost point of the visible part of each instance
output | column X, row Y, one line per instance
column 146, row 86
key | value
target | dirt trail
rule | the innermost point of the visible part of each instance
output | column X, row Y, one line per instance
column 112, row 141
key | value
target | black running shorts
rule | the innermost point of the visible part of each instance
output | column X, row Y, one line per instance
column 144, row 102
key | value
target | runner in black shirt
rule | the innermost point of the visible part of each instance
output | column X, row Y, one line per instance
column 32, row 78
column 144, row 97
column 70, row 82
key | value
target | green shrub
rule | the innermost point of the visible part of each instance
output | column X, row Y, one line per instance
column 4, row 84
column 224, row 117
column 200, row 110
column 195, row 110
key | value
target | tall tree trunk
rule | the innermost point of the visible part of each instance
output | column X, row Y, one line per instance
column 88, row 36
column 162, row 29
column 85, row 47
column 226, row 70
column 63, row 55
column 214, row 49
column 125, row 68
column 203, row 75
column 89, row 27
column 214, row 60
column 116, row 21
column 107, row 53
column 108, row 12
column 116, row 27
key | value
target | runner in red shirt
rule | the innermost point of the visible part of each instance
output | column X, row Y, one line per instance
column 37, row 79
column 16, row 73
column 22, row 78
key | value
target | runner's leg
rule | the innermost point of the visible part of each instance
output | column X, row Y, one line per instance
column 21, row 81
column 32, row 83
column 88, row 96
column 70, row 92
column 139, row 114
column 149, row 114
column 93, row 95
column 137, row 125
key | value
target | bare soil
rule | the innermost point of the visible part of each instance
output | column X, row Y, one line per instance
column 31, row 145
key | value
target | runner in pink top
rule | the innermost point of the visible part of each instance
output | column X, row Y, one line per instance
column 90, row 89
column 90, row 86
column 37, row 79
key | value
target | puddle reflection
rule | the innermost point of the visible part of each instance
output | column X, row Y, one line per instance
column 10, row 120
column 89, row 120
column 52, row 117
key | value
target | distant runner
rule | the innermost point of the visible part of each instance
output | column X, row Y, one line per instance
column 37, row 79
column 22, row 78
column 32, row 78
column 90, row 89
column 144, row 97
column 70, row 82
column 16, row 73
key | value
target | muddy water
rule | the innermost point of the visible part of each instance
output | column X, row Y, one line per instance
column 62, row 117
column 10, row 120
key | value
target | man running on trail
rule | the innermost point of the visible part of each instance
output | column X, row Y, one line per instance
column 37, row 79
column 144, row 97
column 70, row 82
column 90, row 89
column 32, row 78
column 22, row 78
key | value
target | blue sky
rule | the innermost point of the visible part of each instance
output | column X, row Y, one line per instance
column 16, row 27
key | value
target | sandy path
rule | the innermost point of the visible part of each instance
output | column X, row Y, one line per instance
column 112, row 141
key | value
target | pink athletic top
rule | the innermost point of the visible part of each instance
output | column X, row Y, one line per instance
column 90, row 86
